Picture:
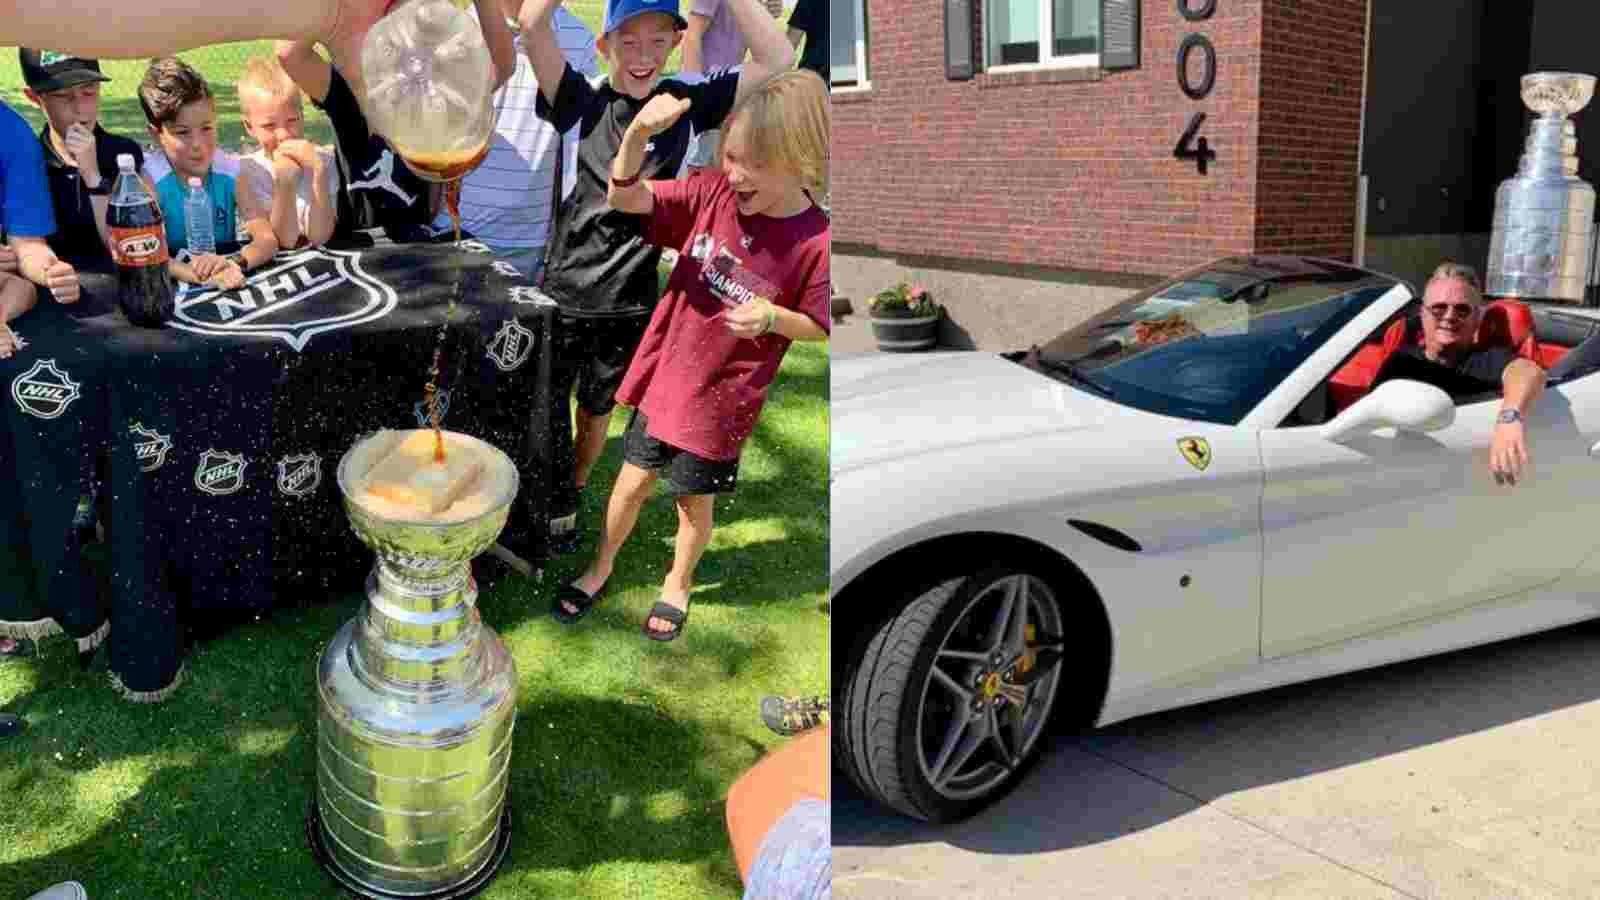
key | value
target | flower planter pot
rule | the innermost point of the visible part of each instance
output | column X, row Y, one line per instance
column 906, row 335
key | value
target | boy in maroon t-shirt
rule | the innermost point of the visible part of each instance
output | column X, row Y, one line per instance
column 752, row 276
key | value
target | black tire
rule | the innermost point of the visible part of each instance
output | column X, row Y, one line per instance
column 879, row 700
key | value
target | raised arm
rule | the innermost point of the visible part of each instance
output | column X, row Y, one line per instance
column 633, row 195
column 497, row 34
column 770, row 52
column 539, row 39
column 694, row 39
column 306, row 68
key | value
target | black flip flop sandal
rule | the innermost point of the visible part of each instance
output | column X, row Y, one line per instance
column 584, row 603
column 662, row 610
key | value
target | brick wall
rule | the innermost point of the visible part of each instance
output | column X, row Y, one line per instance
column 1079, row 174
column 1311, row 64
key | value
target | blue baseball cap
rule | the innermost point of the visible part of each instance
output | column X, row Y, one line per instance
column 620, row 11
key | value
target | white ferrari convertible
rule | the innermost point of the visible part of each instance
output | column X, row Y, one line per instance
column 1202, row 491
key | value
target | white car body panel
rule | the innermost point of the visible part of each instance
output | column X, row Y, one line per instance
column 1305, row 557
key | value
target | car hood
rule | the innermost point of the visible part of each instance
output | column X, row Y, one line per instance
column 893, row 406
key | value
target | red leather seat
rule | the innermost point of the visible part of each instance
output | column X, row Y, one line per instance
column 1508, row 324
column 1505, row 323
column 1354, row 379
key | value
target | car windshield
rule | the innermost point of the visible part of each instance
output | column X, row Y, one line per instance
column 1212, row 343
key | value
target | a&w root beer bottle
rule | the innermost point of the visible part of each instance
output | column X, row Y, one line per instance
column 139, row 242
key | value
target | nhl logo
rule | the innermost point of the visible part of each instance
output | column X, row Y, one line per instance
column 421, row 409
column 44, row 390
column 530, row 296
column 297, row 298
column 150, row 448
column 511, row 346
column 220, row 473
column 299, row 476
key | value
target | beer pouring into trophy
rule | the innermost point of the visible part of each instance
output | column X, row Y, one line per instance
column 416, row 696
column 430, row 88
column 1543, row 216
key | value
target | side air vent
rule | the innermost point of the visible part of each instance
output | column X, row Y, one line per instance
column 1106, row 535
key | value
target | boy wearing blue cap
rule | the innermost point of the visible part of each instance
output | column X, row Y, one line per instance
column 598, row 266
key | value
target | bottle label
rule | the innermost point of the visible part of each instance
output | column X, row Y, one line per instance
column 143, row 246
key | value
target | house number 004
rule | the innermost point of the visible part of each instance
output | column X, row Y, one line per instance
column 1191, row 145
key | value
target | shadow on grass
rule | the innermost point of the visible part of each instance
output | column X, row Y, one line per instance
column 205, row 797
column 782, row 489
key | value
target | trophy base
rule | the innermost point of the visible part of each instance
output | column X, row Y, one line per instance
column 468, row 888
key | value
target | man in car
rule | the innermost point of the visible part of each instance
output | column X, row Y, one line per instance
column 1452, row 309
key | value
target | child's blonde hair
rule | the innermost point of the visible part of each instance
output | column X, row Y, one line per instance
column 265, row 75
column 786, row 122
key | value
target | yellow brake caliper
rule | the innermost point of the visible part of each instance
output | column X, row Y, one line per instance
column 1030, row 656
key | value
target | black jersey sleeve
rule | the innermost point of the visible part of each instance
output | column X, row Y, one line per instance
column 349, row 123
column 712, row 98
column 573, row 96
column 804, row 17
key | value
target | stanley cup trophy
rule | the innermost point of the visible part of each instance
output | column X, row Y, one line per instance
column 1544, row 214
column 416, row 696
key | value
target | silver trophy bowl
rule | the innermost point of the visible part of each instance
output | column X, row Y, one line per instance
column 1543, row 216
column 417, row 700
column 1557, row 93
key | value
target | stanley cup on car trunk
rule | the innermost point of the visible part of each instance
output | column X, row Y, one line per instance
column 417, row 697
column 1543, row 215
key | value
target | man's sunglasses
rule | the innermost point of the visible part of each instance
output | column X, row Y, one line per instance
column 1462, row 310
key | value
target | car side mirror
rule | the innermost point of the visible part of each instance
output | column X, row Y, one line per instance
column 1401, row 404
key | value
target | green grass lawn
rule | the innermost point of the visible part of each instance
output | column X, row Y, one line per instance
column 623, row 752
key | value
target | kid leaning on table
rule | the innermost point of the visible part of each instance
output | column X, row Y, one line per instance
column 182, row 115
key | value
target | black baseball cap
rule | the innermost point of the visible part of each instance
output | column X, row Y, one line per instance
column 48, row 70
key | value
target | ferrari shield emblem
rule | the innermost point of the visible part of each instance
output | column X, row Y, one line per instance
column 44, row 390
column 1197, row 450
column 150, row 447
column 220, row 473
column 511, row 346
column 299, row 476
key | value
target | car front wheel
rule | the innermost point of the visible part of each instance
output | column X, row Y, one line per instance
column 949, row 699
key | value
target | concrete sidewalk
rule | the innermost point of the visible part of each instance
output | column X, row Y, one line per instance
column 1471, row 775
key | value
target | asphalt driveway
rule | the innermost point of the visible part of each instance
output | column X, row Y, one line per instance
column 1472, row 775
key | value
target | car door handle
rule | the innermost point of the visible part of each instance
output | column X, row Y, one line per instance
column 1595, row 450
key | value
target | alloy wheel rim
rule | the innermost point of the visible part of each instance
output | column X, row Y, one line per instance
column 990, row 688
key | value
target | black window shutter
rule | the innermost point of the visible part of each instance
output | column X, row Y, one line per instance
column 959, row 28
column 1119, row 34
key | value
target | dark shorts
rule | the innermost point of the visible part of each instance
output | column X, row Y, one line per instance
column 593, row 358
column 684, row 473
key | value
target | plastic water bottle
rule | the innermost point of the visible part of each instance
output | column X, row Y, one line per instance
column 201, row 225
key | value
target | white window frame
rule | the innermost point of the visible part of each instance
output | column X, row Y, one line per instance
column 1047, row 59
column 863, row 81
